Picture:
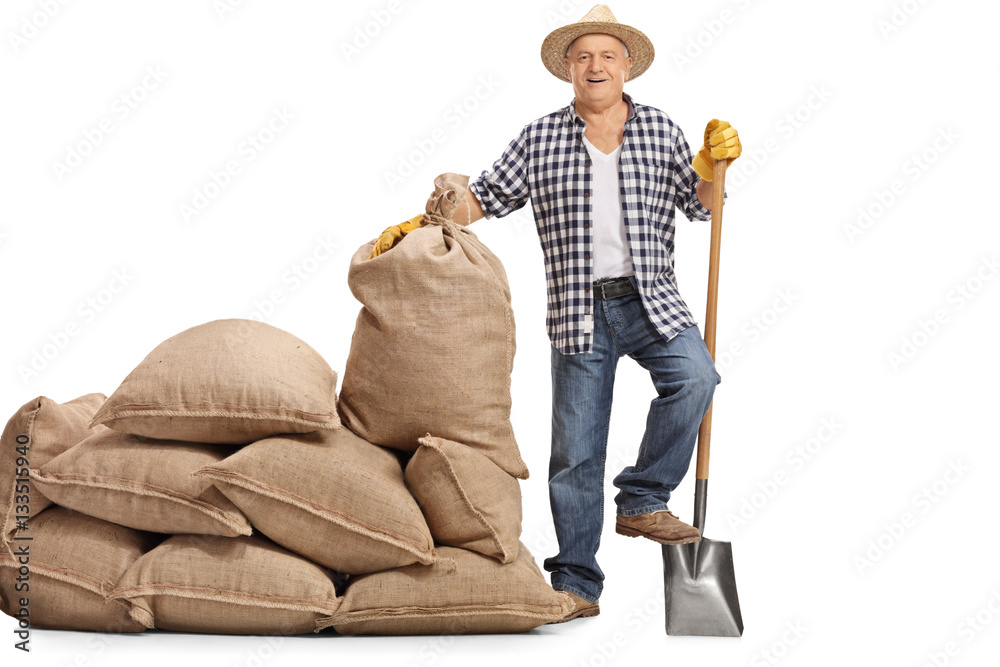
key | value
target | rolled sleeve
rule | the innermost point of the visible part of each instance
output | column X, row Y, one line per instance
column 504, row 189
column 686, row 181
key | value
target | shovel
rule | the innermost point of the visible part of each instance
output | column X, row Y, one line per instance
column 699, row 584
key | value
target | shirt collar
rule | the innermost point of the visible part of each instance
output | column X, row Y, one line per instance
column 572, row 117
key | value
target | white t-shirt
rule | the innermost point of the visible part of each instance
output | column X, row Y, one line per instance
column 612, row 258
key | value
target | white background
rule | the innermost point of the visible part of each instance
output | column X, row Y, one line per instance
column 833, row 101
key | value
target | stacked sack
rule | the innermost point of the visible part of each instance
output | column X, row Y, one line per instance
column 135, row 540
column 218, row 491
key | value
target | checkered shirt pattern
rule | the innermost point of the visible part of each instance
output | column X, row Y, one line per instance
column 549, row 164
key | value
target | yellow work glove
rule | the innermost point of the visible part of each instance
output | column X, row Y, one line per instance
column 392, row 235
column 721, row 143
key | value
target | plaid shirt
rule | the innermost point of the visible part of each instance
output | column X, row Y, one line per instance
column 548, row 162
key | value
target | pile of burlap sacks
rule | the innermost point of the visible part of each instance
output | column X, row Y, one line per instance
column 224, row 487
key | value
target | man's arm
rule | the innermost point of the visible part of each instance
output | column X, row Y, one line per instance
column 705, row 189
column 468, row 211
column 502, row 189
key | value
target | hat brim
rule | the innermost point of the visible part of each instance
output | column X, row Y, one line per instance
column 640, row 49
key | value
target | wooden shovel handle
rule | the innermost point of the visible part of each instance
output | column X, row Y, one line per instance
column 719, row 181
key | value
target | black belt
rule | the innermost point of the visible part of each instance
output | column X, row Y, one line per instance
column 612, row 289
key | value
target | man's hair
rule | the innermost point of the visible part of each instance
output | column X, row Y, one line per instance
column 569, row 48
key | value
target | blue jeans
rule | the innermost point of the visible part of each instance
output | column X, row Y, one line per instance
column 684, row 377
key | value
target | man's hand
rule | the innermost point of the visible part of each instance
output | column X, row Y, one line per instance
column 392, row 235
column 721, row 143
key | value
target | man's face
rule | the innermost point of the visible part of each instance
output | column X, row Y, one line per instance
column 598, row 68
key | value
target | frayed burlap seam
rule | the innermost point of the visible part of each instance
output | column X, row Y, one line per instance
column 393, row 613
column 148, row 490
column 423, row 555
column 231, row 597
column 454, row 228
column 329, row 421
column 507, row 556
column 141, row 616
column 66, row 575
column 325, row 622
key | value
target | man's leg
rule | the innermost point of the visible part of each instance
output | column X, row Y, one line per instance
column 581, row 407
column 685, row 378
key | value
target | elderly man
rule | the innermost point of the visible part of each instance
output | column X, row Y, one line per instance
column 604, row 176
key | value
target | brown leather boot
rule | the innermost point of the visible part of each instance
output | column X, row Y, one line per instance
column 581, row 608
column 661, row 526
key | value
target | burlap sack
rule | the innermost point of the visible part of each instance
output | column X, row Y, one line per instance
column 226, row 381
column 47, row 429
column 227, row 585
column 329, row 496
column 433, row 345
column 73, row 561
column 467, row 499
column 142, row 483
column 478, row 595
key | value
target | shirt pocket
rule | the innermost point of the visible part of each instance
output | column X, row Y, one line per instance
column 652, row 184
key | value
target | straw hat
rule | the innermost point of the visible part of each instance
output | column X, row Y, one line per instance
column 597, row 20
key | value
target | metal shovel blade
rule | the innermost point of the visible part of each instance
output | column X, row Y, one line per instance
column 700, row 590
